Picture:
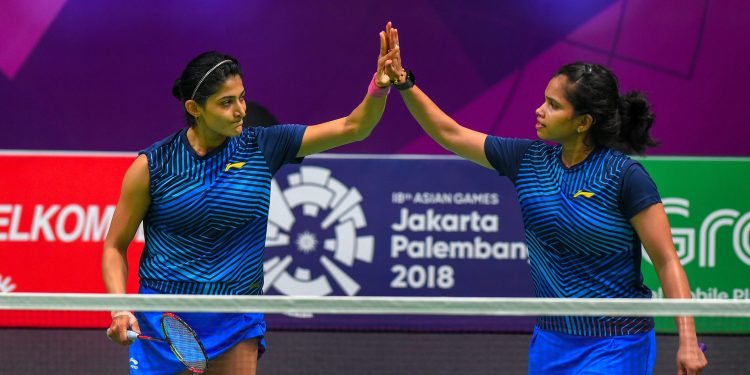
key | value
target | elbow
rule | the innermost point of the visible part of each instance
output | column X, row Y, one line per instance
column 362, row 134
column 356, row 132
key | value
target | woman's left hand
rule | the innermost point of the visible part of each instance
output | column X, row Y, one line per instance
column 385, row 59
column 394, row 69
column 690, row 359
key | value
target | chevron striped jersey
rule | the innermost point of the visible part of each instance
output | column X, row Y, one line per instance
column 206, row 226
column 576, row 220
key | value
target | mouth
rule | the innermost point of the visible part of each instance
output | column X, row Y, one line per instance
column 539, row 125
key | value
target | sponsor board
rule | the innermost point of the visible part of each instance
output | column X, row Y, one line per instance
column 708, row 208
column 362, row 225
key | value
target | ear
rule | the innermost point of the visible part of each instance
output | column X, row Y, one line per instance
column 584, row 123
column 192, row 107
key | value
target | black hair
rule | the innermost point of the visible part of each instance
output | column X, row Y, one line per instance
column 184, row 88
column 621, row 122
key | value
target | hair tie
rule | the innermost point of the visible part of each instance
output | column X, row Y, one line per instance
column 192, row 97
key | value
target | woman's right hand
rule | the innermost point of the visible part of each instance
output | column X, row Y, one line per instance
column 393, row 68
column 122, row 321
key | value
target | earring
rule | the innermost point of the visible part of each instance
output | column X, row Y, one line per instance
column 578, row 130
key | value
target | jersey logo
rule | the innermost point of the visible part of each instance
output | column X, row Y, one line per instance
column 234, row 165
column 585, row 194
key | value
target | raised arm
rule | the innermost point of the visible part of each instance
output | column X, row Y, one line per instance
column 462, row 141
column 131, row 208
column 358, row 125
column 652, row 227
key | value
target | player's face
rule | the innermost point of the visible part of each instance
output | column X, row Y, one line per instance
column 225, row 109
column 555, row 118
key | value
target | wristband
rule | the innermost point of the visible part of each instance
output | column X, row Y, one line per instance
column 408, row 82
column 376, row 91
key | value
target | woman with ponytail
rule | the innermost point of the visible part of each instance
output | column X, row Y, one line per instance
column 203, row 196
column 587, row 208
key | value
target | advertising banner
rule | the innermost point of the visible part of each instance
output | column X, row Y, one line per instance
column 358, row 225
column 708, row 206
column 55, row 210
column 398, row 226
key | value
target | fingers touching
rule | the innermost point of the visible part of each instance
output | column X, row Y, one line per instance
column 391, row 60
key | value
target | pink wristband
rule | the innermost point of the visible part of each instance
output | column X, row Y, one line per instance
column 375, row 91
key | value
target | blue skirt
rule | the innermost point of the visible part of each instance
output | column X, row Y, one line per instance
column 559, row 353
column 218, row 332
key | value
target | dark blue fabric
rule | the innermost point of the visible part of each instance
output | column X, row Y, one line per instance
column 218, row 332
column 505, row 154
column 638, row 191
column 206, row 225
column 581, row 243
column 280, row 144
column 553, row 353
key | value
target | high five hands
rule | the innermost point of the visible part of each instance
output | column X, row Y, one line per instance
column 389, row 62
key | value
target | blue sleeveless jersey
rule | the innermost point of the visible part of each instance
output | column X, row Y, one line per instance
column 206, row 226
column 576, row 221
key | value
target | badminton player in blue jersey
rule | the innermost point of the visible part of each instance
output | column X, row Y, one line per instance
column 203, row 195
column 587, row 208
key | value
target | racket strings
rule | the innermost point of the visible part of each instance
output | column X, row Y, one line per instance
column 184, row 343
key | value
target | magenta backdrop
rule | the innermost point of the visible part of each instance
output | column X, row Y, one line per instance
column 93, row 75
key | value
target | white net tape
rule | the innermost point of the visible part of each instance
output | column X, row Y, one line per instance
column 376, row 305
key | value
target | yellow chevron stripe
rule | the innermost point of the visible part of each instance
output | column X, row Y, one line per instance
column 234, row 165
column 585, row 194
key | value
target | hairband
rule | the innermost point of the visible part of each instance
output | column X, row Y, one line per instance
column 192, row 97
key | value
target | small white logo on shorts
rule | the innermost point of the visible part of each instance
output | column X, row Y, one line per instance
column 133, row 363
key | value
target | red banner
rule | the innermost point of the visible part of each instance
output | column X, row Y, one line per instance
column 55, row 210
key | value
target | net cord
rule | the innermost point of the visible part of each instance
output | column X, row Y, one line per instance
column 377, row 305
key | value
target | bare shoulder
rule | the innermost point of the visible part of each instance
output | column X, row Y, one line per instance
column 137, row 176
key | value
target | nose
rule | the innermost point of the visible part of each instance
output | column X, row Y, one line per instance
column 240, row 111
column 539, row 112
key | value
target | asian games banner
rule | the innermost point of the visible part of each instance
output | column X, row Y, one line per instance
column 395, row 226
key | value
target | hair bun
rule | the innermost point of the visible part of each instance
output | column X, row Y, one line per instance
column 176, row 91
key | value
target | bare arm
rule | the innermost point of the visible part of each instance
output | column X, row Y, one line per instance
column 462, row 141
column 355, row 127
column 131, row 208
column 360, row 122
column 652, row 227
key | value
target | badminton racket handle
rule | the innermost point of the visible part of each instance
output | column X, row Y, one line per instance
column 132, row 335
column 703, row 347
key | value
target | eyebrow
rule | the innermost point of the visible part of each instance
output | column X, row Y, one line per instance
column 552, row 99
column 230, row 96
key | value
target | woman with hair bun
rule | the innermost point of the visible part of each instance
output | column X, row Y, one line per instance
column 587, row 208
column 203, row 196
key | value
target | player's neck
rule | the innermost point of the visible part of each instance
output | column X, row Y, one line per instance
column 203, row 140
column 575, row 152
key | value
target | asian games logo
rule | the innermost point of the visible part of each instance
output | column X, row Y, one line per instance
column 312, row 238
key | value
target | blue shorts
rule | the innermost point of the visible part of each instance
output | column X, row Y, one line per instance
column 218, row 332
column 559, row 353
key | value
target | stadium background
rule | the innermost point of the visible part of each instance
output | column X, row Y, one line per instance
column 96, row 77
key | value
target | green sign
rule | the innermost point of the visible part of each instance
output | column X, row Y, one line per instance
column 707, row 201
